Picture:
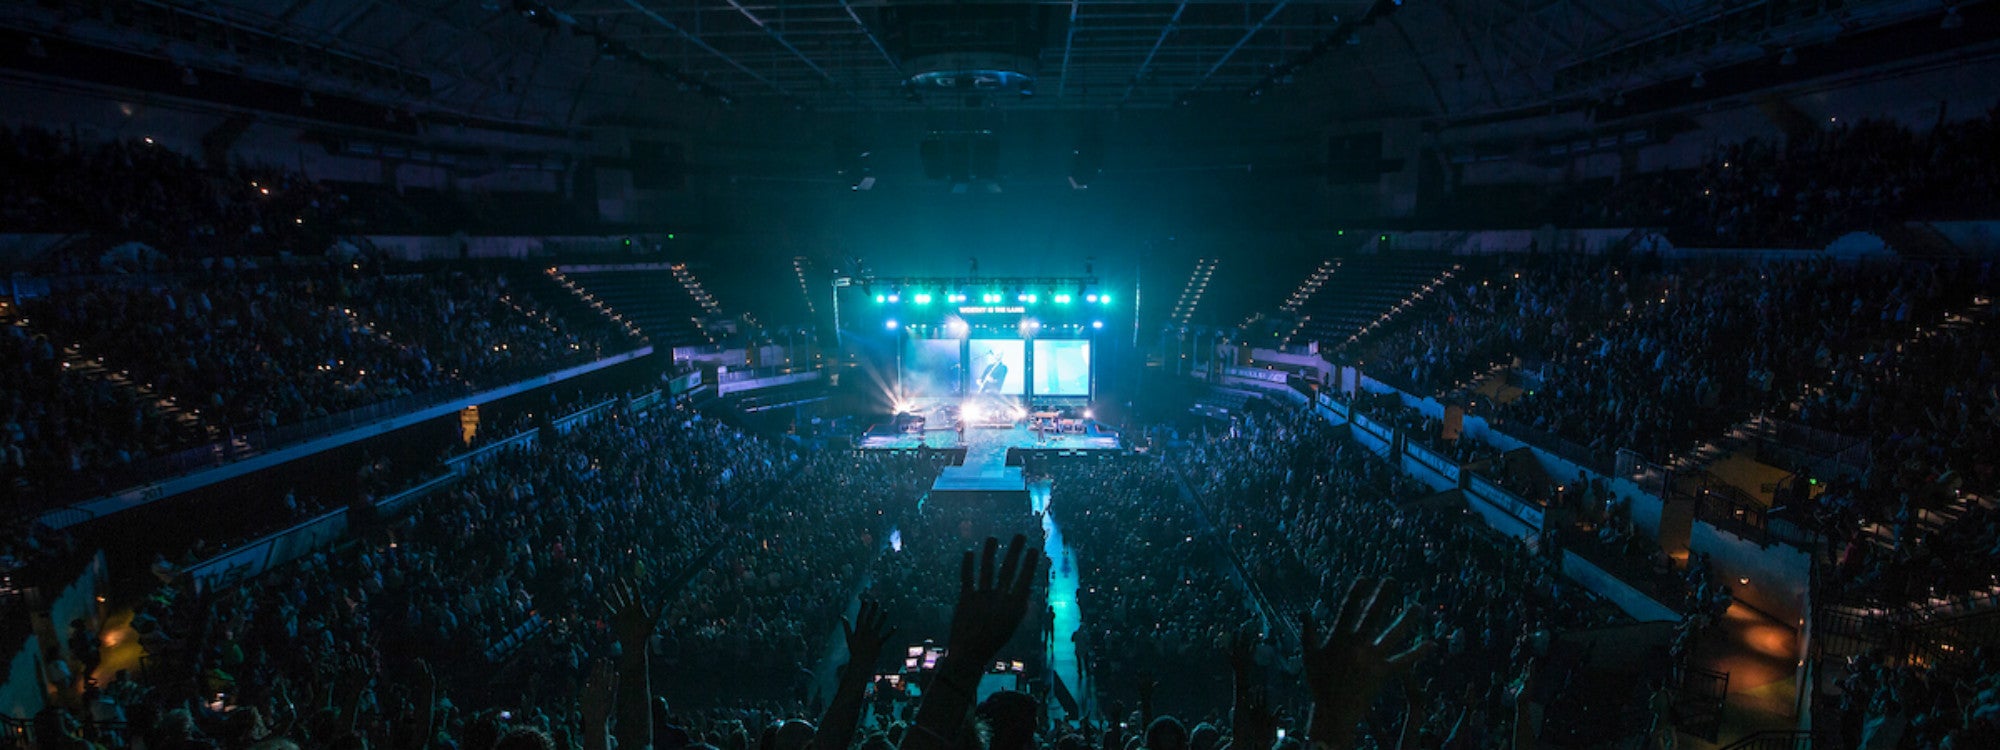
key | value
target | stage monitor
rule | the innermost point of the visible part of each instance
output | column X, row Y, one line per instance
column 932, row 368
column 1062, row 367
column 998, row 366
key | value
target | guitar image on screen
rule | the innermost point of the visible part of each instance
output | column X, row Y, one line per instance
column 994, row 375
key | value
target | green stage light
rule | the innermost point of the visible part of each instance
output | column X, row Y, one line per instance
column 1028, row 298
column 1062, row 299
column 923, row 299
column 1104, row 299
column 881, row 298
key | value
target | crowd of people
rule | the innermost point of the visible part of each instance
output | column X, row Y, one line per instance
column 499, row 576
column 1886, row 703
column 1805, row 190
column 1660, row 357
column 1155, row 586
column 769, row 601
column 1927, row 414
column 202, row 357
column 1307, row 512
column 137, row 189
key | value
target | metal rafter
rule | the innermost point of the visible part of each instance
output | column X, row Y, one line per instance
column 1166, row 31
column 1069, row 43
column 780, row 39
column 870, row 33
column 695, row 40
column 1275, row 10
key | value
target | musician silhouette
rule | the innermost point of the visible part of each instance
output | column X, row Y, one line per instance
column 994, row 375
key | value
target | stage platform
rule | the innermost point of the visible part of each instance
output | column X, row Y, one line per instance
column 1095, row 437
column 989, row 470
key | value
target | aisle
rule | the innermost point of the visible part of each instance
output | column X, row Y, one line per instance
column 1062, row 596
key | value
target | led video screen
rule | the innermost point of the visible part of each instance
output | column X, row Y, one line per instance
column 1062, row 368
column 997, row 366
column 932, row 368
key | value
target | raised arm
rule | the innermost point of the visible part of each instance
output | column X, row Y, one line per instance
column 1252, row 727
column 599, row 692
column 632, row 621
column 992, row 601
column 866, row 636
column 1348, row 666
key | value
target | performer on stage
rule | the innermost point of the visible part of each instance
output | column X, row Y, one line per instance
column 994, row 375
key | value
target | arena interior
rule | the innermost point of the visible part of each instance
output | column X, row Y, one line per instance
column 999, row 374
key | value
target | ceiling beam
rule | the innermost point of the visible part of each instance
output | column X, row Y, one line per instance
column 870, row 33
column 1275, row 10
column 780, row 39
column 1069, row 41
column 655, row 17
column 1165, row 31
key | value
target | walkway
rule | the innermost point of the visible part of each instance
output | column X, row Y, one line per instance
column 1062, row 599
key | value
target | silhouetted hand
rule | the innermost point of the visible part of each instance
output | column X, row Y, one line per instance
column 1348, row 666
column 866, row 636
column 1242, row 651
column 426, row 680
column 598, row 690
column 632, row 618
column 992, row 600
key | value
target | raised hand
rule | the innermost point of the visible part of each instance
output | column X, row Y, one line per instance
column 866, row 636
column 1348, row 665
column 1242, row 651
column 992, row 601
column 595, row 702
column 1253, row 724
column 632, row 617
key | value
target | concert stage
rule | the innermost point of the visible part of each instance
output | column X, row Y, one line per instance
column 989, row 470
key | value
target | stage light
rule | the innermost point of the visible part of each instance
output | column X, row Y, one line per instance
column 923, row 299
column 895, row 298
column 1028, row 298
column 957, row 327
column 1090, row 298
column 1098, row 324
column 881, row 298
column 889, row 324
column 969, row 413
column 1087, row 414
column 1062, row 299
column 1104, row 299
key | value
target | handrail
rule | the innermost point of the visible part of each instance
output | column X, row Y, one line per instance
column 1242, row 571
column 1782, row 739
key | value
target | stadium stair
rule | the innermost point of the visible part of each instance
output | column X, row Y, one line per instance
column 76, row 361
column 1341, row 302
column 664, row 303
column 1919, row 240
column 1193, row 290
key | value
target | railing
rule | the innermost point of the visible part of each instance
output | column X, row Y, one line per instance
column 1200, row 504
column 1601, row 463
column 1479, row 486
column 239, row 445
column 1782, row 739
column 1432, row 460
column 1949, row 644
column 1700, row 699
column 460, row 462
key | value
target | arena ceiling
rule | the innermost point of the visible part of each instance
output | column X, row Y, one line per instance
column 583, row 62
